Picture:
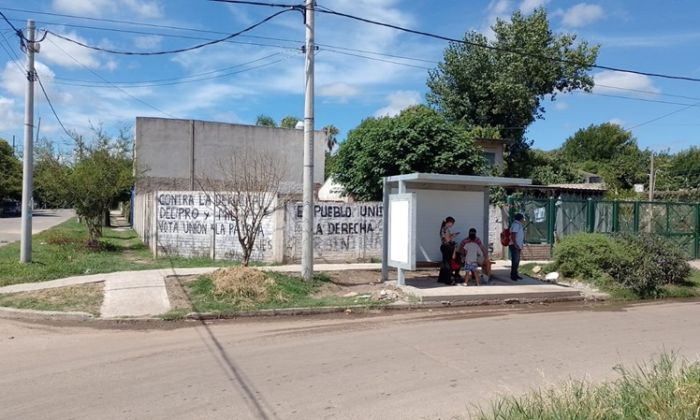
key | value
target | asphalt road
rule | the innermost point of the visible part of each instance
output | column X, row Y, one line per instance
column 11, row 227
column 404, row 366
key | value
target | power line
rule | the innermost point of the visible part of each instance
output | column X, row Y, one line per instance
column 663, row 116
column 178, row 81
column 175, row 51
column 48, row 100
column 107, row 81
column 259, row 3
column 375, row 58
column 500, row 49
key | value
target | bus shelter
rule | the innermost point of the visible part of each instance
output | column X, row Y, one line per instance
column 416, row 204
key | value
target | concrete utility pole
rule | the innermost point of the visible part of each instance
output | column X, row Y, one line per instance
column 25, row 254
column 307, row 236
column 652, row 179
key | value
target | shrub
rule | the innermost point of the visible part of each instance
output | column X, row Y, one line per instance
column 590, row 255
column 640, row 264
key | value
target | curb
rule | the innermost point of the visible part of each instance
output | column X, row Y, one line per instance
column 14, row 313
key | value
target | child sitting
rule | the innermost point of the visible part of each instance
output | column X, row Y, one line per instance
column 472, row 253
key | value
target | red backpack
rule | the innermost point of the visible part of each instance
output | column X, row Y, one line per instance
column 505, row 237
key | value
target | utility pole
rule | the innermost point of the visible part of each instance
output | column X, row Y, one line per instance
column 25, row 255
column 307, row 236
column 652, row 179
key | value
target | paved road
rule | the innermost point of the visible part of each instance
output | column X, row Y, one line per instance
column 11, row 227
column 409, row 365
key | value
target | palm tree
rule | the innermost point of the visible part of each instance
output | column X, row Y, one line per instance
column 331, row 139
column 265, row 121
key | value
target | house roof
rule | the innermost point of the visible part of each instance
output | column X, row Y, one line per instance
column 593, row 186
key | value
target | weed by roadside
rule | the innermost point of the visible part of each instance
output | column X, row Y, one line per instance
column 667, row 388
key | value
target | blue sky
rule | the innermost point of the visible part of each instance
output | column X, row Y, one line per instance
column 361, row 70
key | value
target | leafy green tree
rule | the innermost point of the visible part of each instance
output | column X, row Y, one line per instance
column 419, row 139
column 51, row 170
column 684, row 169
column 503, row 83
column 551, row 168
column 610, row 151
column 265, row 121
column 10, row 172
column 101, row 176
column 289, row 122
column 331, row 132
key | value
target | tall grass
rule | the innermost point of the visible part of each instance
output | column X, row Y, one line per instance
column 665, row 389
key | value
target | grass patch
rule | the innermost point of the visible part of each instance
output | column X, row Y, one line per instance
column 665, row 389
column 282, row 291
column 83, row 298
column 62, row 252
column 690, row 288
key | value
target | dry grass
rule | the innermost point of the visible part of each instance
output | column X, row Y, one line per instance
column 83, row 298
column 243, row 285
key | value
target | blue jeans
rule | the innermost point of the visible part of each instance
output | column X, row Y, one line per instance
column 515, row 262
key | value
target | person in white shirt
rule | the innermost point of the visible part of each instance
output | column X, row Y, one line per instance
column 517, row 242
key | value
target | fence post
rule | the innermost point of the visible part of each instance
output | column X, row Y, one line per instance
column 550, row 220
column 635, row 223
column 590, row 215
column 616, row 216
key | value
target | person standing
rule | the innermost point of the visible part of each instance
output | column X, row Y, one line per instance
column 447, row 246
column 484, row 260
column 517, row 242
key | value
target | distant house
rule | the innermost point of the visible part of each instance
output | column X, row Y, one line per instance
column 493, row 150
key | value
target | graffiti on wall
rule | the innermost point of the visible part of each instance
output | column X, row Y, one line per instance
column 198, row 224
column 342, row 231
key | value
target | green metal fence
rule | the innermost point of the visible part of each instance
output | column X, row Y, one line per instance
column 550, row 219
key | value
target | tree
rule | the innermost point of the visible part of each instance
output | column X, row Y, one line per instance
column 419, row 139
column 246, row 190
column 51, row 169
column 603, row 142
column 684, row 169
column 610, row 151
column 289, row 122
column 102, row 174
column 551, row 168
column 502, row 83
column 265, row 121
column 10, row 172
column 331, row 132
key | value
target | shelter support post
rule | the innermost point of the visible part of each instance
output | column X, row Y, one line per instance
column 385, row 230
column 400, row 275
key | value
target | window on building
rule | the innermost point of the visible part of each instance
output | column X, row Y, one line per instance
column 490, row 158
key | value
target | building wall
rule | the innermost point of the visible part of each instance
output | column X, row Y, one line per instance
column 171, row 154
column 342, row 231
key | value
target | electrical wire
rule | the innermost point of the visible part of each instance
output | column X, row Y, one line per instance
column 48, row 100
column 259, row 3
column 332, row 50
column 175, row 51
column 107, row 81
column 662, row 116
column 500, row 49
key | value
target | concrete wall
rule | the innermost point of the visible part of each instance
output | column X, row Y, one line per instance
column 342, row 232
column 171, row 154
column 189, row 224
column 433, row 206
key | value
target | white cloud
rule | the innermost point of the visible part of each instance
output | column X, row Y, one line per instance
column 624, row 83
column 97, row 8
column 150, row 42
column 338, row 90
column 67, row 54
column 561, row 106
column 582, row 14
column 527, row 6
column 617, row 121
column 399, row 101
column 497, row 9
column 9, row 117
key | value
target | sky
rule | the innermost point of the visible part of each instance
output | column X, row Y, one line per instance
column 362, row 70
